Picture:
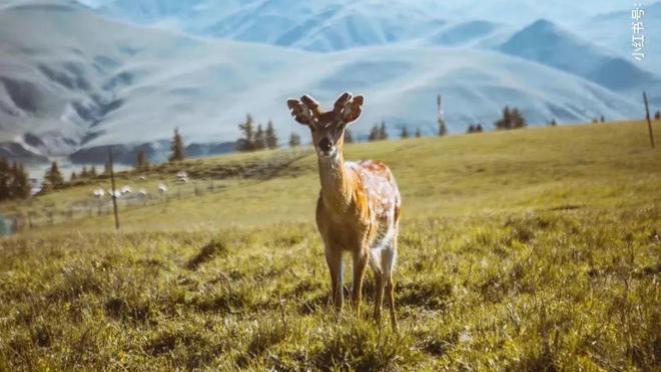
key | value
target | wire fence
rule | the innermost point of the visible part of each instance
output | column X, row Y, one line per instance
column 95, row 206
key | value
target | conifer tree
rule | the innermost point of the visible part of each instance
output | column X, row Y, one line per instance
column 374, row 133
column 73, row 177
column 271, row 137
column 21, row 187
column 177, row 147
column 517, row 119
column 247, row 142
column 511, row 119
column 294, row 140
column 417, row 133
column 383, row 132
column 53, row 176
column 141, row 162
column 404, row 134
column 260, row 138
column 5, row 179
column 92, row 172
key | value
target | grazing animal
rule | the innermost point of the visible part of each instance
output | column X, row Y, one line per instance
column 183, row 176
column 127, row 190
column 359, row 204
column 99, row 193
column 162, row 188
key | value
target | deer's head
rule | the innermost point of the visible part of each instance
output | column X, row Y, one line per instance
column 328, row 127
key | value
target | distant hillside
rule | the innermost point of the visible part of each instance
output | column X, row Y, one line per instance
column 546, row 43
column 84, row 82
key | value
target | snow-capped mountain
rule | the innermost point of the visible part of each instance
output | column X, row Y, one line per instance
column 546, row 43
column 75, row 78
column 249, row 19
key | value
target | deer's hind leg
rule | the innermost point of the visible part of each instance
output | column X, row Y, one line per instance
column 388, row 258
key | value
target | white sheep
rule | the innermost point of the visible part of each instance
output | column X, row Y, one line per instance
column 162, row 188
column 127, row 190
column 142, row 192
column 99, row 193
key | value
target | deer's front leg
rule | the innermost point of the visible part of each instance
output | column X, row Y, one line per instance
column 359, row 265
column 334, row 261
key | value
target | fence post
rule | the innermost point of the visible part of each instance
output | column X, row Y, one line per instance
column 649, row 121
column 112, row 183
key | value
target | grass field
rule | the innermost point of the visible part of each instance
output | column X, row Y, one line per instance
column 534, row 249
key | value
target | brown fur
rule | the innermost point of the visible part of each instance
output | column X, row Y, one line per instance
column 358, row 204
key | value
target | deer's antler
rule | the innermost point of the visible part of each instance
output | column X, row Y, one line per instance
column 305, row 111
column 348, row 108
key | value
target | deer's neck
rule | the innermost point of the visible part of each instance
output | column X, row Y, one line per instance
column 336, row 185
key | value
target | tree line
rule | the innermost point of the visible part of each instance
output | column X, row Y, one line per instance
column 254, row 139
column 14, row 182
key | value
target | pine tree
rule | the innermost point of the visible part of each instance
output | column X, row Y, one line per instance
column 553, row 123
column 657, row 115
column 141, row 162
column 404, row 134
column 271, row 137
column 106, row 167
column 348, row 137
column 505, row 121
column 383, row 132
column 177, row 147
column 21, row 187
column 511, row 119
column 5, row 180
column 84, row 173
column 374, row 134
column 294, row 140
column 247, row 142
column 260, row 138
column 417, row 133
column 602, row 119
column 53, row 176
column 518, row 120
column 92, row 172
column 73, row 177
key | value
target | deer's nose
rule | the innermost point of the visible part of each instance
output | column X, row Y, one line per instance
column 325, row 144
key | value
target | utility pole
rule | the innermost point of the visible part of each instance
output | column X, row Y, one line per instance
column 649, row 122
column 112, row 184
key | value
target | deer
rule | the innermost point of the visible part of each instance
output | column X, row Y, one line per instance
column 359, row 204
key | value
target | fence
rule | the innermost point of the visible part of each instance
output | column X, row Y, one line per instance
column 100, row 206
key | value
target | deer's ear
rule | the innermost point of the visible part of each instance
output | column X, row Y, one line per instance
column 305, row 110
column 348, row 108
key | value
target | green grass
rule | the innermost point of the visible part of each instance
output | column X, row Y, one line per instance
column 536, row 249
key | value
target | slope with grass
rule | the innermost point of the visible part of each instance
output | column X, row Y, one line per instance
column 533, row 249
